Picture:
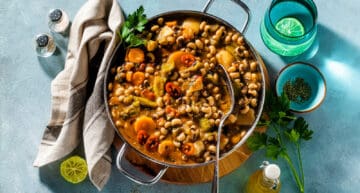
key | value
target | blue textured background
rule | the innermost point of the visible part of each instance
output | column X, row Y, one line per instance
column 331, row 158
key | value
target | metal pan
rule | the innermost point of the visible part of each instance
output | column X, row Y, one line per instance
column 118, row 58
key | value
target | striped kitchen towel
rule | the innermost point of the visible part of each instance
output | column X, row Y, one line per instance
column 78, row 114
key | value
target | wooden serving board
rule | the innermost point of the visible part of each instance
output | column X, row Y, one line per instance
column 193, row 175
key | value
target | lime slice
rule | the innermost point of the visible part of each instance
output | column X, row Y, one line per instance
column 74, row 169
column 290, row 26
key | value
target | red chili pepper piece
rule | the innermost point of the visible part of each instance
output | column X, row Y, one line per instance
column 142, row 137
column 152, row 143
column 187, row 59
column 173, row 90
column 188, row 149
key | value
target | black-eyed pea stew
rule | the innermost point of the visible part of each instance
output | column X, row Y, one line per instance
column 167, row 99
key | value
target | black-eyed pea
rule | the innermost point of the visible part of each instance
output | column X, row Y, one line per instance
column 199, row 44
column 128, row 100
column 213, row 41
column 217, row 121
column 119, row 91
column 206, row 42
column 235, row 37
column 206, row 110
column 118, row 123
column 253, row 102
column 227, row 40
column 176, row 143
column 253, row 66
column 110, row 86
column 121, row 98
column 154, row 28
column 212, row 121
column 188, row 109
column 151, row 45
column 247, row 76
column 160, row 21
column 180, row 40
column 181, row 137
column 245, row 109
column 159, row 102
column 246, row 53
column 202, row 25
column 212, row 148
column 149, row 70
column 253, row 92
column 237, row 82
column 240, row 40
column 210, row 86
column 234, row 75
column 254, row 77
column 195, row 109
column 129, row 91
column 189, row 123
column 167, row 124
column 213, row 109
column 211, row 100
column 244, row 90
column 162, row 137
column 253, row 86
column 176, row 122
column 128, row 66
column 215, row 116
column 156, row 133
column 218, row 96
column 231, row 69
column 212, row 49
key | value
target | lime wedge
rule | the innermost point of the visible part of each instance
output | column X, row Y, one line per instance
column 74, row 169
column 290, row 26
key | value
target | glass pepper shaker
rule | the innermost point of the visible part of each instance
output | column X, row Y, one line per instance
column 44, row 45
column 58, row 21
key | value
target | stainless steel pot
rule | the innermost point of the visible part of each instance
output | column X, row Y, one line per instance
column 118, row 58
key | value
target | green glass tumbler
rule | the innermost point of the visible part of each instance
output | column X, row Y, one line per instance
column 289, row 26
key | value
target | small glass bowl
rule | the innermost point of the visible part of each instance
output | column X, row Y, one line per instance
column 312, row 76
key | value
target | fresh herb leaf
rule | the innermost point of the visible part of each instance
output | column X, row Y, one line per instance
column 257, row 141
column 279, row 119
column 293, row 135
column 273, row 151
column 134, row 24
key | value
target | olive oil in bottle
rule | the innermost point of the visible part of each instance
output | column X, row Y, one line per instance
column 265, row 180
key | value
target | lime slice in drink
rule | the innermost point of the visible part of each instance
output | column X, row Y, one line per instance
column 290, row 26
column 74, row 169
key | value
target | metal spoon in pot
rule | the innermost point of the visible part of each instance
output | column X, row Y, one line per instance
column 223, row 73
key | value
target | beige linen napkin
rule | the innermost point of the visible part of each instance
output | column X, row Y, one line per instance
column 78, row 111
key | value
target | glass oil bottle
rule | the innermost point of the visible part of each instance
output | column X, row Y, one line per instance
column 265, row 180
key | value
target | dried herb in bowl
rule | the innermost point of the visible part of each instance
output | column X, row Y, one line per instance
column 298, row 90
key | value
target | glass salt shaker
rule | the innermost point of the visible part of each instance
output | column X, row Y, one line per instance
column 58, row 21
column 44, row 45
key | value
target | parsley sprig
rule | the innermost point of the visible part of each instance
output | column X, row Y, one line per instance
column 283, row 127
column 134, row 24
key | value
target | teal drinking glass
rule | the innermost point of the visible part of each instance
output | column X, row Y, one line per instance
column 289, row 26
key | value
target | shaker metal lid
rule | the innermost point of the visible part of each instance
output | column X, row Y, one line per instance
column 42, row 40
column 55, row 15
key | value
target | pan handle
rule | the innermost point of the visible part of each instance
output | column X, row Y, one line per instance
column 241, row 4
column 133, row 177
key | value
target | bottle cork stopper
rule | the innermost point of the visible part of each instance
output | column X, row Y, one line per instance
column 272, row 171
